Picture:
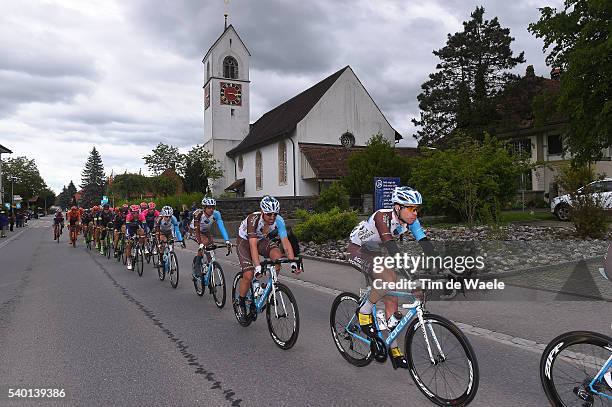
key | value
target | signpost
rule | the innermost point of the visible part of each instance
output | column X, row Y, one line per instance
column 383, row 188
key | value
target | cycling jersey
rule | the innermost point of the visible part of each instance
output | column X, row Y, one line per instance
column 73, row 217
column 382, row 226
column 254, row 224
column 150, row 216
column 131, row 218
column 170, row 226
column 105, row 218
column 86, row 218
column 206, row 223
column 59, row 218
column 118, row 220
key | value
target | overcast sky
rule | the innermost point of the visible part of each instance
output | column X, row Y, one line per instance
column 125, row 75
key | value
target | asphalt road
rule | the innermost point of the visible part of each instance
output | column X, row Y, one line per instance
column 73, row 320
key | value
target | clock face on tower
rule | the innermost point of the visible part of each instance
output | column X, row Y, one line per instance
column 231, row 94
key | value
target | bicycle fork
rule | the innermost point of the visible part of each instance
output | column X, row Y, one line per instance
column 426, row 326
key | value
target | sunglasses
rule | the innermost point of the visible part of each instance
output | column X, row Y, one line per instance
column 272, row 214
column 411, row 208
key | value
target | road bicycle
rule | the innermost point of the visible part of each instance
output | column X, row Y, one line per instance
column 89, row 237
column 73, row 234
column 106, row 244
column 441, row 360
column 209, row 274
column 57, row 231
column 576, row 368
column 168, row 263
column 136, row 254
column 276, row 298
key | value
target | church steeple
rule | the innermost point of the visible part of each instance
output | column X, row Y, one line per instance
column 226, row 113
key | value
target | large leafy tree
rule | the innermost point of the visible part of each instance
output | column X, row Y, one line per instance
column 474, row 68
column 93, row 180
column 163, row 157
column 22, row 175
column 579, row 41
column 128, row 186
column 199, row 165
column 379, row 159
column 62, row 198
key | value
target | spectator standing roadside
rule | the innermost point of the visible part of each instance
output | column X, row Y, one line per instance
column 11, row 219
column 3, row 223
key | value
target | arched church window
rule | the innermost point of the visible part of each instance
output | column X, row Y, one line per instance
column 282, row 163
column 230, row 68
column 258, row 171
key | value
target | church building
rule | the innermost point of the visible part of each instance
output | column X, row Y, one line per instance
column 295, row 148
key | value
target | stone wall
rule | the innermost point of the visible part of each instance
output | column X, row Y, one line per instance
column 238, row 208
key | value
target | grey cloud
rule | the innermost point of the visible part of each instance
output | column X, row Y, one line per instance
column 19, row 88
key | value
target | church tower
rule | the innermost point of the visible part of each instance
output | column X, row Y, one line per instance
column 226, row 100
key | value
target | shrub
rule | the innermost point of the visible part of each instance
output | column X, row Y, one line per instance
column 321, row 227
column 588, row 215
column 334, row 195
column 468, row 182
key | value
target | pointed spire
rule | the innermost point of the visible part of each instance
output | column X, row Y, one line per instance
column 225, row 15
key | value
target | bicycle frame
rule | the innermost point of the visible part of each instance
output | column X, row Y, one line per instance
column 209, row 267
column 600, row 378
column 415, row 310
column 259, row 304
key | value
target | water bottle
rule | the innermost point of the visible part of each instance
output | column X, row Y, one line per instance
column 256, row 288
column 382, row 321
column 394, row 320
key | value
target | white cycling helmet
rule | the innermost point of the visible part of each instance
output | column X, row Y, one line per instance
column 406, row 196
column 167, row 211
column 209, row 201
column 269, row 204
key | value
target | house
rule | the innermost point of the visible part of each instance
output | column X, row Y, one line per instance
column 543, row 141
column 295, row 148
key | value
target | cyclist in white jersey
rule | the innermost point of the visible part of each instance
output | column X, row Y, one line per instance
column 377, row 232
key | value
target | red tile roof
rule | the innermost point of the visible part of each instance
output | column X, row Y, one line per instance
column 330, row 161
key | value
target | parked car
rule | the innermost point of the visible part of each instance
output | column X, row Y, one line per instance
column 601, row 189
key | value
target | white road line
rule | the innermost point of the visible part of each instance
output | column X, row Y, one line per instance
column 11, row 238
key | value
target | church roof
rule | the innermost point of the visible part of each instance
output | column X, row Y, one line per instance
column 219, row 39
column 279, row 121
column 330, row 161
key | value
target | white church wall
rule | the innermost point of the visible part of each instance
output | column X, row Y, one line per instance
column 346, row 106
column 270, row 184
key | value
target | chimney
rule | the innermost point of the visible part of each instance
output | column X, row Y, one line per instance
column 530, row 72
column 555, row 74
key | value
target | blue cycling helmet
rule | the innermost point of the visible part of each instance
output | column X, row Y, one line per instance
column 406, row 196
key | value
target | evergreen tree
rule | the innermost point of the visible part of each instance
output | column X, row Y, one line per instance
column 71, row 190
column 93, row 181
column 199, row 165
column 62, row 198
column 579, row 43
column 473, row 70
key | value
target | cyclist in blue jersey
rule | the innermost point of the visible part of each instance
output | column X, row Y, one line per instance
column 253, row 240
column 203, row 221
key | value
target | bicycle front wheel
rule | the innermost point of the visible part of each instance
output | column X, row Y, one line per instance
column 283, row 316
column 174, row 270
column 345, row 328
column 569, row 364
column 452, row 378
column 138, row 260
column 217, row 285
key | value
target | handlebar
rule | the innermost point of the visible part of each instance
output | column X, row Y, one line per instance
column 214, row 246
column 283, row 260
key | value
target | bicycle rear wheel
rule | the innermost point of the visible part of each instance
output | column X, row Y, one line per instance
column 196, row 267
column 344, row 326
column 217, row 285
column 174, row 270
column 283, row 316
column 242, row 320
column 569, row 364
column 452, row 380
